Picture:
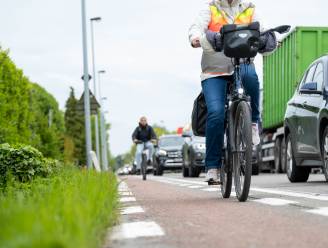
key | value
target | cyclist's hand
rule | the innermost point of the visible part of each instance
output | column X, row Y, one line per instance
column 154, row 141
column 195, row 43
column 136, row 141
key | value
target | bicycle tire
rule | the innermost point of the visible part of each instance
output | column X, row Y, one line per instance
column 242, row 159
column 226, row 170
column 144, row 167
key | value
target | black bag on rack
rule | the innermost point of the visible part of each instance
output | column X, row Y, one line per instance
column 199, row 115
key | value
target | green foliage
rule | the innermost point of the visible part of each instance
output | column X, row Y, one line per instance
column 23, row 163
column 46, row 123
column 72, row 209
column 14, row 102
column 29, row 114
column 160, row 130
column 75, row 131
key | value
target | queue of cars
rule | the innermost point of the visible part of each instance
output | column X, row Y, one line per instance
column 175, row 152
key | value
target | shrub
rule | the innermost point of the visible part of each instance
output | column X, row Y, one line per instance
column 23, row 163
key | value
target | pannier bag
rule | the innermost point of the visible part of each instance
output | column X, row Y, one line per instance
column 241, row 41
column 199, row 115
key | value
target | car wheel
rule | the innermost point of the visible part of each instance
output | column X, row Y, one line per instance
column 294, row 173
column 194, row 171
column 255, row 169
column 185, row 171
column 155, row 167
column 324, row 152
column 277, row 155
column 283, row 156
column 159, row 170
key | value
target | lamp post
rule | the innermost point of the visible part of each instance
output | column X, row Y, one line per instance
column 102, row 127
column 92, row 20
column 88, row 143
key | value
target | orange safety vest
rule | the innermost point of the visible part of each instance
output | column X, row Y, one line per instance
column 218, row 19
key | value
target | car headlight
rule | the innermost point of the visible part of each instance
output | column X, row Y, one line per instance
column 162, row 153
column 199, row 146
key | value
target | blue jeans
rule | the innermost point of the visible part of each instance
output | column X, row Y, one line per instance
column 215, row 92
column 140, row 149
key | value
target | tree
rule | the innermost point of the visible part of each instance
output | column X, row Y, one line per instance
column 75, row 131
column 29, row 114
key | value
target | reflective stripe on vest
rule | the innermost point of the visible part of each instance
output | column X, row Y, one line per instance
column 218, row 18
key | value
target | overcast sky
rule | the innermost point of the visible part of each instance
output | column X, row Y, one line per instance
column 142, row 44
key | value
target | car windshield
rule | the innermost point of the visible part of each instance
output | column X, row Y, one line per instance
column 171, row 141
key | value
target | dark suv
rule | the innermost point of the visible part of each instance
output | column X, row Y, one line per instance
column 194, row 151
column 306, row 124
column 168, row 154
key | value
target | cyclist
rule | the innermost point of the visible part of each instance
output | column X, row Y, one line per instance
column 217, row 70
column 143, row 136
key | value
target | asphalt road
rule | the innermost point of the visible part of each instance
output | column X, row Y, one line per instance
column 172, row 211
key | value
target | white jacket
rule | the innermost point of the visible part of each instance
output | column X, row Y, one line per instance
column 211, row 60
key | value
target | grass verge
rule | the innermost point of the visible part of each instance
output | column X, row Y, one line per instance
column 72, row 209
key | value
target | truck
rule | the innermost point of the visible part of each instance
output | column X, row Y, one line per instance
column 282, row 71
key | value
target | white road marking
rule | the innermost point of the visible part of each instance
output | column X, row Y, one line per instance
column 137, row 229
column 195, row 187
column 310, row 196
column 126, row 193
column 132, row 210
column 210, row 189
column 292, row 194
column 319, row 211
column 274, row 201
column 128, row 199
column 183, row 185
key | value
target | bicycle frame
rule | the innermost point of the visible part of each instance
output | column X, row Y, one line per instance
column 236, row 95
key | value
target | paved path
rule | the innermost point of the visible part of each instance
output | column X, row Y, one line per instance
column 172, row 211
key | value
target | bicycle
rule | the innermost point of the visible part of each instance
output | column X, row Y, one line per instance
column 144, row 161
column 240, row 42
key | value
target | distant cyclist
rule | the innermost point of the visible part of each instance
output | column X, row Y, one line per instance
column 143, row 136
column 217, row 70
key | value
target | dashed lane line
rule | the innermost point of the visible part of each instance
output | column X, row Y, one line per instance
column 132, row 210
column 275, row 201
column 195, row 187
column 138, row 229
column 319, row 211
column 126, row 193
column 211, row 189
column 261, row 190
column 127, row 199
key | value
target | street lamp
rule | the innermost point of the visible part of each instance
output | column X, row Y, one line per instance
column 92, row 20
column 88, row 143
column 102, row 127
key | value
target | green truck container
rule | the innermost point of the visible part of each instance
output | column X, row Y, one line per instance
column 283, row 70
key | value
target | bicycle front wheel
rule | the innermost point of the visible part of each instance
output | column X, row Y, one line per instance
column 144, row 167
column 242, row 159
column 226, row 171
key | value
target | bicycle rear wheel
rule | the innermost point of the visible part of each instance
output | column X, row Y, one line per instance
column 144, row 167
column 226, row 171
column 242, row 159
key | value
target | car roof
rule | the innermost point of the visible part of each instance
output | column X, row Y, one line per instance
column 323, row 57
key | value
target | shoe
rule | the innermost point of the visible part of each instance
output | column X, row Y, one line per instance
column 255, row 134
column 213, row 176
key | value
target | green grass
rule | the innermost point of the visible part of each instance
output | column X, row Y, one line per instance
column 72, row 209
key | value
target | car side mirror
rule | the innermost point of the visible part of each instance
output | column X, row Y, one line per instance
column 310, row 88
